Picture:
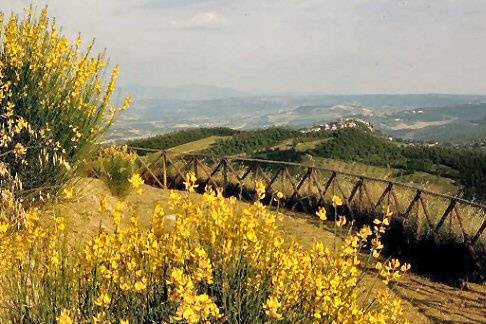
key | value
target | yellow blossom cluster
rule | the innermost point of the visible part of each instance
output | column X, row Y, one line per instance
column 202, row 259
column 116, row 166
column 54, row 103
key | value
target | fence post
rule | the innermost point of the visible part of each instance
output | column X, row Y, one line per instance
column 164, row 169
column 195, row 168
column 479, row 233
column 358, row 188
column 225, row 173
column 301, row 182
column 383, row 195
column 412, row 203
column 446, row 214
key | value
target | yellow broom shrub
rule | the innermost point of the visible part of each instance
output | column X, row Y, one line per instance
column 203, row 259
column 55, row 101
column 115, row 165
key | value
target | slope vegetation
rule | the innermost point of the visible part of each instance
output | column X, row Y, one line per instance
column 447, row 168
column 170, row 140
column 425, row 301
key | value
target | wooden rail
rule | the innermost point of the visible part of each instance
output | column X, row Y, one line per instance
column 432, row 212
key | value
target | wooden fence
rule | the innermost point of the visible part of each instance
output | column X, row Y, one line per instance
column 308, row 187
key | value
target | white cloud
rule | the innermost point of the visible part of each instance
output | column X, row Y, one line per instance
column 203, row 20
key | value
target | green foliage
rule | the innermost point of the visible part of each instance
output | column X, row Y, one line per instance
column 359, row 146
column 115, row 166
column 465, row 165
column 252, row 141
column 166, row 141
column 290, row 155
column 53, row 101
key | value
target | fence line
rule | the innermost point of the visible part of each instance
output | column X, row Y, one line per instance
column 432, row 210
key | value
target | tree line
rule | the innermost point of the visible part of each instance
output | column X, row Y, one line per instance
column 250, row 142
column 462, row 164
column 173, row 139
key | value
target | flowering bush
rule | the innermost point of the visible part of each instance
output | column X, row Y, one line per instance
column 205, row 260
column 212, row 259
column 115, row 165
column 54, row 102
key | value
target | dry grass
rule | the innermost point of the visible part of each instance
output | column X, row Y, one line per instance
column 471, row 218
column 425, row 301
column 198, row 145
column 422, row 179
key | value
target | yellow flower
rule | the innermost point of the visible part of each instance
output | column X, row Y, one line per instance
column 69, row 193
column 395, row 263
column 341, row 221
column 280, row 195
column 139, row 286
column 118, row 213
column 322, row 214
column 136, row 181
column 376, row 244
column 365, row 232
column 19, row 150
column 126, row 103
column 210, row 236
column 64, row 318
column 61, row 225
column 277, row 242
column 271, row 308
column 4, row 228
column 190, row 183
column 103, row 300
column 251, row 236
column 260, row 189
column 55, row 262
column 336, row 201
column 405, row 267
column 100, row 318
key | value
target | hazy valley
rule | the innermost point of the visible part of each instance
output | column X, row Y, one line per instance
column 427, row 117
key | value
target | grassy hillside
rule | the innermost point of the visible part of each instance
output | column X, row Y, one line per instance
column 199, row 145
column 171, row 140
column 442, row 168
column 425, row 301
column 253, row 141
column 465, row 166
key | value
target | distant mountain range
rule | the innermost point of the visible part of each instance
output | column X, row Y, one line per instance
column 188, row 92
column 161, row 109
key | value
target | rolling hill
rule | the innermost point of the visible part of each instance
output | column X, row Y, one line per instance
column 158, row 110
column 456, row 124
column 449, row 169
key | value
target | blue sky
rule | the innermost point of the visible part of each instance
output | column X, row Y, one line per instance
column 272, row 46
